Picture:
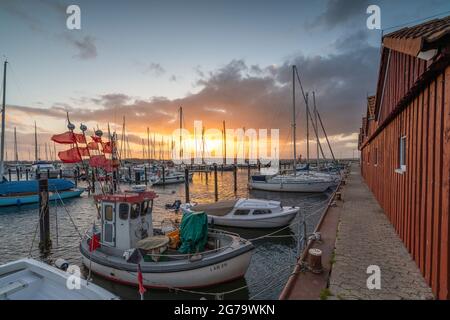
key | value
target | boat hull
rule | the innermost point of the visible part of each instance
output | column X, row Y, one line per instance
column 205, row 276
column 271, row 221
column 34, row 198
column 291, row 187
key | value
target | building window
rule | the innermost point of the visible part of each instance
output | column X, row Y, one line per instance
column 401, row 155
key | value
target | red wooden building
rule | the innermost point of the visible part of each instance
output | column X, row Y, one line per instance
column 405, row 144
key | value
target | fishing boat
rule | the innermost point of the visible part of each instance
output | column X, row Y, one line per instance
column 245, row 213
column 29, row 279
column 194, row 256
column 44, row 169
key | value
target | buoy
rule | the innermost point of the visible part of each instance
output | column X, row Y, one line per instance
column 62, row 264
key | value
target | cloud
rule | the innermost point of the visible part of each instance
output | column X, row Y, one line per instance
column 85, row 45
column 249, row 96
column 339, row 12
column 154, row 69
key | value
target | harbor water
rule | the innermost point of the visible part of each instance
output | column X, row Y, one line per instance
column 272, row 261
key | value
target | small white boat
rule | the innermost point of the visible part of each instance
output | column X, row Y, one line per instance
column 29, row 279
column 245, row 213
column 170, row 177
column 301, row 182
column 126, row 224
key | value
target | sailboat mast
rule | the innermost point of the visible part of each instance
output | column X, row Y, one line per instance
column 224, row 144
column 307, row 128
column 294, row 138
column 16, row 155
column 35, row 143
column 203, row 145
column 2, row 152
column 315, row 119
column 181, row 132
column 148, row 143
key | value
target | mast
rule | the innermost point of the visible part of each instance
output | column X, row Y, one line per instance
column 2, row 152
column 294, row 138
column 181, row 132
column 16, row 154
column 315, row 119
column 203, row 145
column 46, row 152
column 35, row 143
column 307, row 128
column 148, row 144
column 224, row 144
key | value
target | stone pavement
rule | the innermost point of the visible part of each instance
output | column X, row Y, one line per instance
column 366, row 237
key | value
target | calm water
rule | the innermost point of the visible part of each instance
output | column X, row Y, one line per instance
column 271, row 263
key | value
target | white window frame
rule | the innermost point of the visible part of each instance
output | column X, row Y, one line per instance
column 401, row 155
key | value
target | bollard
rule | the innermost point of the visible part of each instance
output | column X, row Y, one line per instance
column 145, row 175
column 216, row 194
column 44, row 218
column 164, row 175
column 235, row 177
column 314, row 260
column 17, row 174
column 186, row 184
column 26, row 174
column 9, row 174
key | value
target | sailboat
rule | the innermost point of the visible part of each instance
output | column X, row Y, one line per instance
column 26, row 192
column 299, row 181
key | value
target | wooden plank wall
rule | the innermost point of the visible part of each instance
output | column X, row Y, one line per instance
column 417, row 202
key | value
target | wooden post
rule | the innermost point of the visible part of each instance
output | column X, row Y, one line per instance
column 145, row 175
column 206, row 174
column 93, row 180
column 44, row 218
column 235, row 177
column 60, row 173
column 164, row 175
column 216, row 193
column 137, row 177
column 248, row 171
column 186, row 184
column 48, row 173
column 75, row 177
column 17, row 174
column 259, row 166
column 129, row 173
column 26, row 174
column 9, row 174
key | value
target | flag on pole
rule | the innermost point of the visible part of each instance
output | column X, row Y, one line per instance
column 141, row 282
column 70, row 156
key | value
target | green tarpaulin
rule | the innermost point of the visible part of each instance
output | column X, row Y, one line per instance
column 193, row 232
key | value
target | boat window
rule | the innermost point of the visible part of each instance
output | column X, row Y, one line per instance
column 144, row 207
column 262, row 211
column 241, row 212
column 135, row 210
column 123, row 211
column 108, row 212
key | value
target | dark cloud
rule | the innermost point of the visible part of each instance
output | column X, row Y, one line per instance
column 340, row 12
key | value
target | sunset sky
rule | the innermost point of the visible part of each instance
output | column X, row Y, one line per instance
column 220, row 60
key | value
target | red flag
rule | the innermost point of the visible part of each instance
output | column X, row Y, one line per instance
column 100, row 162
column 93, row 145
column 84, row 151
column 70, row 156
column 64, row 138
column 80, row 137
column 107, row 148
column 141, row 282
column 95, row 242
column 96, row 139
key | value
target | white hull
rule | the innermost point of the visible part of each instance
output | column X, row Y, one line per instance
column 291, row 186
column 28, row 279
column 271, row 221
column 225, row 271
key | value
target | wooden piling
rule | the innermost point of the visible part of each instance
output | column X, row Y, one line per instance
column 17, row 174
column 93, row 180
column 9, row 174
column 216, row 192
column 26, row 174
column 145, row 176
column 44, row 218
column 186, row 184
column 164, row 175
column 235, row 177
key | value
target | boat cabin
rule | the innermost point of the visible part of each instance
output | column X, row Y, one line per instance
column 125, row 218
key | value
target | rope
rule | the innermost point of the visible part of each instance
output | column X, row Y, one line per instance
column 70, row 217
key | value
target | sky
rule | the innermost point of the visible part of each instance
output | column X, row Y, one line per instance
column 220, row 60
